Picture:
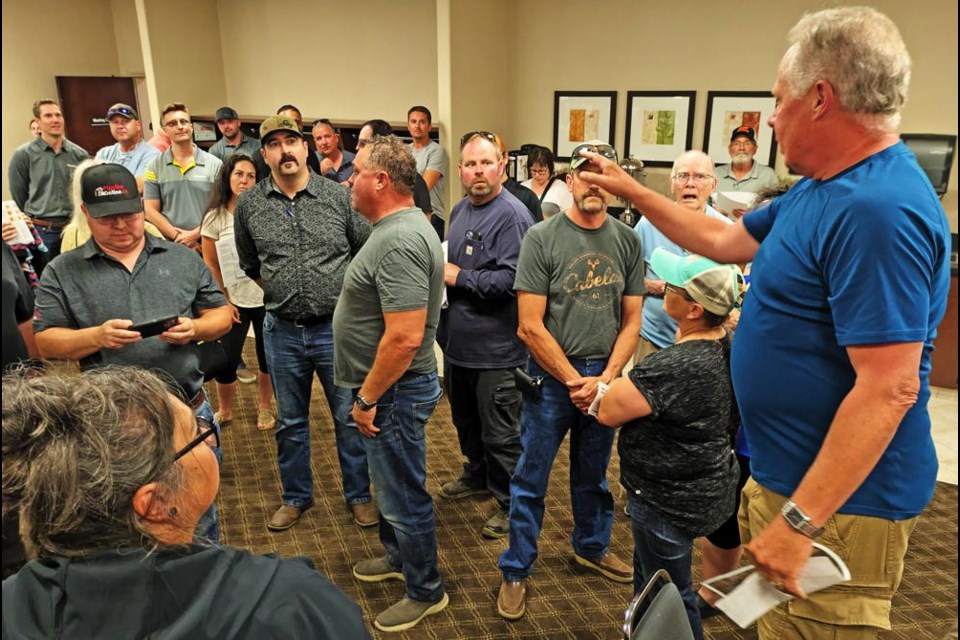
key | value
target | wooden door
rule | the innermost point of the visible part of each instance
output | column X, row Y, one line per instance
column 84, row 101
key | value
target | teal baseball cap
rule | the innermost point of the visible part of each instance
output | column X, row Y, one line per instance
column 715, row 286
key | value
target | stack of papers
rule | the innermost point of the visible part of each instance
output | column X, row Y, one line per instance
column 11, row 213
column 745, row 595
column 727, row 201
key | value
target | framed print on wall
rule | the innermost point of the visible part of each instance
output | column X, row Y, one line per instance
column 579, row 116
column 727, row 110
column 659, row 125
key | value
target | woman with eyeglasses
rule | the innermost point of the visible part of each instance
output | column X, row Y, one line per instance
column 110, row 474
column 244, row 296
column 549, row 188
column 679, row 417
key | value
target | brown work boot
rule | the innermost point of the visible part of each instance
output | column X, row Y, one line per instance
column 512, row 600
column 609, row 566
column 365, row 514
column 286, row 516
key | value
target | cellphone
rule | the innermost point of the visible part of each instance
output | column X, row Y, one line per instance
column 154, row 327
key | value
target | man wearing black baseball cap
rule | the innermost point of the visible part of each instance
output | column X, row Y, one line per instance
column 130, row 149
column 97, row 304
column 744, row 173
column 234, row 140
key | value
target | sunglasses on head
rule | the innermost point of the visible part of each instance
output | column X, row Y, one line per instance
column 604, row 150
column 122, row 111
column 473, row 134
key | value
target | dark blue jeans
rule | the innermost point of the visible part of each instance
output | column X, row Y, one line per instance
column 208, row 527
column 543, row 426
column 294, row 353
column 51, row 238
column 657, row 544
column 398, row 465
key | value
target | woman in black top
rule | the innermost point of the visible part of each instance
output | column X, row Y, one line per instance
column 679, row 417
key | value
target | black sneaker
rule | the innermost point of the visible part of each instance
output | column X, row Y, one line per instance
column 460, row 489
column 498, row 526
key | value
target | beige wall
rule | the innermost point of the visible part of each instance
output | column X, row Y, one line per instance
column 187, row 56
column 79, row 42
column 341, row 60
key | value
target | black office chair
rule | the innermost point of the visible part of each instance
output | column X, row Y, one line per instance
column 664, row 617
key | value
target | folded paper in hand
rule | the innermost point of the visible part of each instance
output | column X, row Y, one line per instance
column 12, row 214
column 602, row 389
column 727, row 201
column 745, row 595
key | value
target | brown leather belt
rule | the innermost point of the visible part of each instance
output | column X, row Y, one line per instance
column 47, row 224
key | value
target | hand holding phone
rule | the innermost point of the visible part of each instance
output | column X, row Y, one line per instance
column 154, row 327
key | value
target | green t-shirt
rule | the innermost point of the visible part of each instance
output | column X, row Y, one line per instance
column 584, row 273
column 399, row 268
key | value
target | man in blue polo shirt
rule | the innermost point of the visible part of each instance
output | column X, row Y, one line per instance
column 832, row 356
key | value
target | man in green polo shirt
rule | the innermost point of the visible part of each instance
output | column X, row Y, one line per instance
column 40, row 174
column 177, row 184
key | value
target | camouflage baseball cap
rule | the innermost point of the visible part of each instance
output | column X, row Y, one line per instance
column 279, row 123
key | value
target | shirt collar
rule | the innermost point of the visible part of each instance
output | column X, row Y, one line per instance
column 152, row 244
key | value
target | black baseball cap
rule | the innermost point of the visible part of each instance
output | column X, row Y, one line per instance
column 227, row 113
column 109, row 190
column 744, row 132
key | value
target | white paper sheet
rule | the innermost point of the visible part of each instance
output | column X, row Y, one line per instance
column 229, row 262
column 12, row 213
column 727, row 201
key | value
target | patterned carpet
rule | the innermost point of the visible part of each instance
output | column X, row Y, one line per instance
column 564, row 600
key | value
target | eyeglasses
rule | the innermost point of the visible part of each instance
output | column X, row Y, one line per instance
column 206, row 433
column 540, row 172
column 182, row 122
column 680, row 291
column 698, row 178
column 473, row 134
column 743, row 142
column 604, row 150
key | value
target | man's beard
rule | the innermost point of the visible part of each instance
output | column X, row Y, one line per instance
column 741, row 158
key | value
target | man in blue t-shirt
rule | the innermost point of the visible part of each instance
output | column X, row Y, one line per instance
column 832, row 354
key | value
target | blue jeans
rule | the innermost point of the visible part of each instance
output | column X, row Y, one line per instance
column 543, row 427
column 398, row 464
column 294, row 353
column 657, row 544
column 51, row 238
column 208, row 528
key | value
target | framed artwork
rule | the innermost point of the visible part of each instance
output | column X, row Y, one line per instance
column 579, row 116
column 727, row 110
column 659, row 125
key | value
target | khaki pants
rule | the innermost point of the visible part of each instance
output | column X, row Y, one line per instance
column 873, row 549
column 644, row 348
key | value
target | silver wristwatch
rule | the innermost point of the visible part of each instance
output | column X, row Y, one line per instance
column 800, row 521
column 363, row 404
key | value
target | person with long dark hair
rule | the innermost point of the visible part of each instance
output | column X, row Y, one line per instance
column 239, row 173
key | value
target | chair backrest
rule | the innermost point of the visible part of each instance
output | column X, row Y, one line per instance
column 657, row 612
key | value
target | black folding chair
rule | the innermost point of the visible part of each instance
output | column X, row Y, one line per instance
column 657, row 612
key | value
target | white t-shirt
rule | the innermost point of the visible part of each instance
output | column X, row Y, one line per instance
column 242, row 291
column 558, row 194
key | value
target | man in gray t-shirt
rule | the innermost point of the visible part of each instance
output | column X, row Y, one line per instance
column 431, row 162
column 579, row 292
column 384, row 328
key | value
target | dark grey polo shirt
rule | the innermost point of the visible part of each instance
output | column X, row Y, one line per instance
column 85, row 288
column 40, row 179
column 299, row 247
column 248, row 146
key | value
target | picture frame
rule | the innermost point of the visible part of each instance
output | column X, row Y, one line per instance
column 727, row 110
column 659, row 126
column 579, row 116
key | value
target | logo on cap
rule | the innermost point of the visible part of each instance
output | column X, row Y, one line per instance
column 744, row 132
column 110, row 190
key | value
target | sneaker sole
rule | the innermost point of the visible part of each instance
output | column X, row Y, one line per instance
column 616, row 577
column 380, row 577
column 492, row 534
column 465, row 494
column 436, row 608
column 366, row 525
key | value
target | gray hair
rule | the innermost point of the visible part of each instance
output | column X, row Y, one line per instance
column 861, row 53
column 691, row 155
column 391, row 155
column 76, row 447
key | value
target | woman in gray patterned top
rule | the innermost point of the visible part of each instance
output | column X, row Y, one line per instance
column 680, row 416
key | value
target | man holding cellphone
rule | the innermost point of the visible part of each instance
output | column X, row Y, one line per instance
column 91, row 299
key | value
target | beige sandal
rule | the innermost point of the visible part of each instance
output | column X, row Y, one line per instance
column 266, row 419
